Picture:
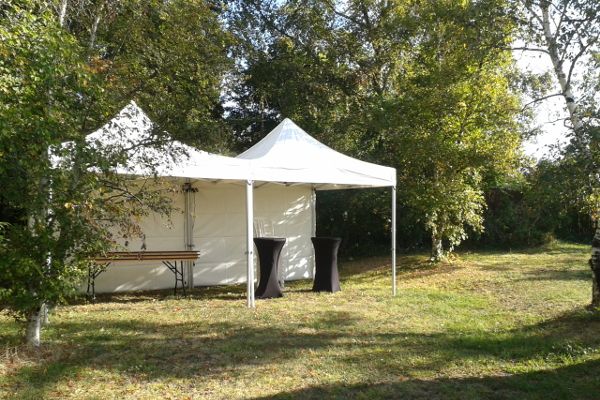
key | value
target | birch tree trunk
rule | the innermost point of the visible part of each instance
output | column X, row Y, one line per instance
column 595, row 264
column 557, row 63
column 95, row 24
column 437, row 249
column 567, row 93
column 45, row 311
column 62, row 12
column 34, row 328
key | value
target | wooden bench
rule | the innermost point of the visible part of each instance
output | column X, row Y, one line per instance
column 171, row 259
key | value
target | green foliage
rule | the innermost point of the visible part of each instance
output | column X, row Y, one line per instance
column 424, row 87
column 364, row 230
column 539, row 207
column 61, row 212
column 170, row 56
column 41, row 74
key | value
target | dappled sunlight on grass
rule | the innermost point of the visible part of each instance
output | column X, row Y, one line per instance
column 487, row 325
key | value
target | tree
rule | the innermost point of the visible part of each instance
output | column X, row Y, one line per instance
column 460, row 126
column 171, row 56
column 419, row 86
column 61, row 213
column 568, row 32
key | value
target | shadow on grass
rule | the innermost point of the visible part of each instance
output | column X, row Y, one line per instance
column 358, row 272
column 558, row 275
column 408, row 267
column 199, row 350
column 366, row 271
column 225, row 292
column 555, row 248
column 570, row 382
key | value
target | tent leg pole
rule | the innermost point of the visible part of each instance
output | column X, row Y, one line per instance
column 250, row 244
column 189, row 245
column 313, row 204
column 394, row 240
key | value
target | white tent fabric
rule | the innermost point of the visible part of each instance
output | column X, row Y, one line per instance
column 286, row 155
column 289, row 155
column 131, row 130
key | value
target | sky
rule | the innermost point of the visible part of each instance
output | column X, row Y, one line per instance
column 547, row 112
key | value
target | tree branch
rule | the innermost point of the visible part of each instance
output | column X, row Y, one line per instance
column 539, row 99
column 578, row 56
column 525, row 48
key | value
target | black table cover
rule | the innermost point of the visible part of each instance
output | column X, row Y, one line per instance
column 326, row 272
column 268, row 255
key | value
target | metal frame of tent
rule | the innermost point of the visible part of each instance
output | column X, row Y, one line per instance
column 287, row 155
column 250, row 298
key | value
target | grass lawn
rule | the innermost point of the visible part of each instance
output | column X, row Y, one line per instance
column 490, row 325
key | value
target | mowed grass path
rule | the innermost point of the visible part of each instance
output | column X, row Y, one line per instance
column 488, row 326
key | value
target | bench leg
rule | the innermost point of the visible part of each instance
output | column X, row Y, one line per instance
column 177, row 269
column 93, row 272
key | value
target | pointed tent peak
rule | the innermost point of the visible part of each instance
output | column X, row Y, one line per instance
column 131, row 112
column 133, row 105
column 289, row 154
column 130, row 124
column 289, row 129
column 288, row 138
column 131, row 127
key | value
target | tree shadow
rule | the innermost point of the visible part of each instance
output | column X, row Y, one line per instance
column 222, row 292
column 147, row 351
column 547, row 249
column 569, row 382
column 557, row 275
column 408, row 267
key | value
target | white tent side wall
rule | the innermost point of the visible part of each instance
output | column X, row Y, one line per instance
column 287, row 212
column 161, row 233
column 219, row 233
column 220, row 236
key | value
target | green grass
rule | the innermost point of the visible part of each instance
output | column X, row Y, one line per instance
column 490, row 325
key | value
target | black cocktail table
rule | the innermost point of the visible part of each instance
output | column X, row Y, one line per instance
column 269, row 250
column 327, row 278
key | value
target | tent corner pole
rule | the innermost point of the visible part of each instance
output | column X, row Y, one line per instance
column 250, row 243
column 394, row 240
column 188, row 224
column 313, row 205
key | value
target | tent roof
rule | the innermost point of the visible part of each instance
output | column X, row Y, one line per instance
column 288, row 154
column 132, row 130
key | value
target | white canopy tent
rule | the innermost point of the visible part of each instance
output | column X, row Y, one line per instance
column 287, row 156
column 290, row 156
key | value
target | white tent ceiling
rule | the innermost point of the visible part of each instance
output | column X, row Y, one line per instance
column 290, row 155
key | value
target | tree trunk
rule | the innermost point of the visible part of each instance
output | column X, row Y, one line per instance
column 94, row 30
column 437, row 250
column 557, row 63
column 34, row 328
column 45, row 311
column 595, row 264
column 62, row 12
column 567, row 93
